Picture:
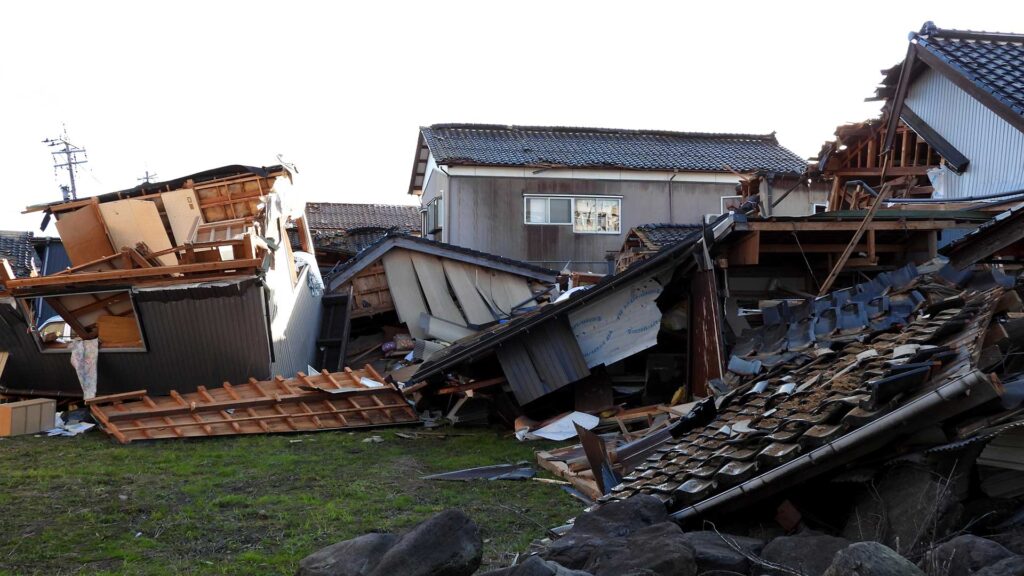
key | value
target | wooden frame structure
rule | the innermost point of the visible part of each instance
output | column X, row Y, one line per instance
column 304, row 403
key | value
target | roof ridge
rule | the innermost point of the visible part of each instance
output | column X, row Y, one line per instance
column 770, row 137
column 930, row 30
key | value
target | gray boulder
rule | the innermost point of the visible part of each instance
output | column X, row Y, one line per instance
column 910, row 507
column 1012, row 566
column 658, row 550
column 447, row 544
column 594, row 531
column 871, row 559
column 809, row 553
column 963, row 555
column 712, row 551
column 535, row 566
column 355, row 557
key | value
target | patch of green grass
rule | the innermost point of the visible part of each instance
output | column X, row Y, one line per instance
column 249, row 504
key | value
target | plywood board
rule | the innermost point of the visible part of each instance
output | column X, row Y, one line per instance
column 182, row 209
column 405, row 290
column 119, row 331
column 132, row 221
column 442, row 330
column 516, row 287
column 463, row 279
column 83, row 235
column 435, row 288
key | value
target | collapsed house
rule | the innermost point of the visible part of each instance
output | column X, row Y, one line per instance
column 171, row 285
column 340, row 230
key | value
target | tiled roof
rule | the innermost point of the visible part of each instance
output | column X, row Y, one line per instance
column 338, row 216
column 17, row 248
column 351, row 241
column 658, row 236
column 993, row 62
column 814, row 374
column 492, row 145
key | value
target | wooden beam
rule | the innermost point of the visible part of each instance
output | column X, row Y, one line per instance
column 811, row 248
column 72, row 320
column 987, row 242
column 847, row 225
column 953, row 157
column 895, row 171
column 122, row 275
column 879, row 200
column 100, row 304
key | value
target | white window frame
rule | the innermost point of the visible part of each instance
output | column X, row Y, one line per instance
column 814, row 207
column 572, row 211
column 724, row 198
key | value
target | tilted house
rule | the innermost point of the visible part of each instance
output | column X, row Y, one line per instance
column 961, row 94
column 567, row 196
column 172, row 285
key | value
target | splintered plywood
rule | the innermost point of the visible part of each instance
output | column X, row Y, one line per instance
column 435, row 288
column 182, row 209
column 132, row 221
column 82, row 233
column 405, row 290
column 463, row 279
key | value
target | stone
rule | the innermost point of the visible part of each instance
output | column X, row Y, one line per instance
column 355, row 557
column 595, row 530
column 910, row 508
column 963, row 555
column 447, row 544
column 809, row 553
column 1012, row 566
column 713, row 553
column 622, row 518
column 657, row 550
column 871, row 559
column 535, row 566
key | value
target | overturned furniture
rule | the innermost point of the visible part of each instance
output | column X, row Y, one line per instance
column 305, row 403
column 171, row 283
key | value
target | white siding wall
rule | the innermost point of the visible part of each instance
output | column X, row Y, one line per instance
column 994, row 147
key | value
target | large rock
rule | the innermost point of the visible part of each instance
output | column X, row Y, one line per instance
column 809, row 553
column 910, row 508
column 658, row 550
column 713, row 551
column 535, row 566
column 448, row 544
column 355, row 557
column 871, row 559
column 963, row 555
column 1013, row 566
column 595, row 530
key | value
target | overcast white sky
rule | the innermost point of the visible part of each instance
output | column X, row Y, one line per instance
column 340, row 88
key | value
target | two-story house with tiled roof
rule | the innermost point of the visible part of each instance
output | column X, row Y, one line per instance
column 557, row 196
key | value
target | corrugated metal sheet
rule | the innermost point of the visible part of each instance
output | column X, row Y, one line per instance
column 994, row 147
column 295, row 345
column 194, row 336
column 542, row 361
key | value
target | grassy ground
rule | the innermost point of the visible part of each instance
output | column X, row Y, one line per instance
column 248, row 505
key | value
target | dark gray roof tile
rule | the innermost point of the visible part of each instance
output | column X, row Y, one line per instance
column 493, row 145
column 341, row 216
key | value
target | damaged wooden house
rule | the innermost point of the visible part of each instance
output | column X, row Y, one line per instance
column 171, row 285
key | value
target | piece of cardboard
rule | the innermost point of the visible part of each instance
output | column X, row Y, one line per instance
column 27, row 416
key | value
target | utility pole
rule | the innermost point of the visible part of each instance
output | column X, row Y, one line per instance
column 63, row 147
column 147, row 178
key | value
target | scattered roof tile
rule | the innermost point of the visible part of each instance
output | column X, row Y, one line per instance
column 493, row 145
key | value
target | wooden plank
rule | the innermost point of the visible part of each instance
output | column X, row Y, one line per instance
column 435, row 287
column 182, row 209
column 130, row 222
column 875, row 205
column 854, row 224
column 463, row 279
column 119, row 331
column 84, row 236
column 405, row 290
column 123, row 275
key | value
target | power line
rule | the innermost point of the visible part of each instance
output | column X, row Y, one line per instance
column 63, row 147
